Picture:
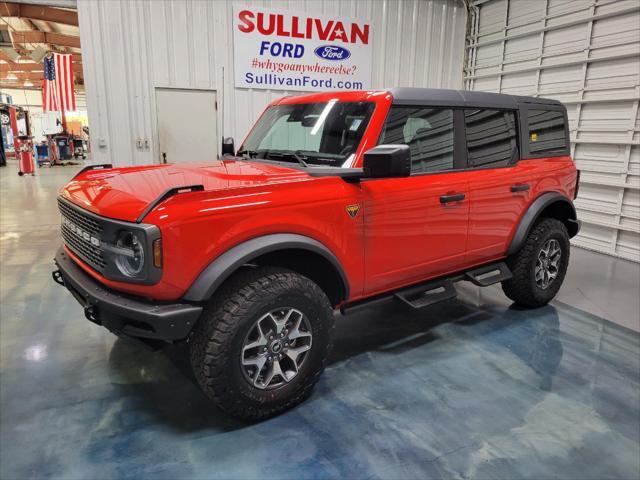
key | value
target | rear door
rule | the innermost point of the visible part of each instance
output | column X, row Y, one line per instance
column 499, row 186
column 416, row 227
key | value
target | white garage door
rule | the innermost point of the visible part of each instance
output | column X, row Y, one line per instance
column 586, row 54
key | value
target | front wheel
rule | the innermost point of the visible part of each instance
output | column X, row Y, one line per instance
column 540, row 266
column 262, row 342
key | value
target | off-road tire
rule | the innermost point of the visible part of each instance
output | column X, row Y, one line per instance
column 522, row 288
column 216, row 341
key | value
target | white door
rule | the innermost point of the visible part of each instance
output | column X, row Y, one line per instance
column 187, row 126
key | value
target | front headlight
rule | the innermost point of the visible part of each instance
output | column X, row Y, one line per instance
column 129, row 253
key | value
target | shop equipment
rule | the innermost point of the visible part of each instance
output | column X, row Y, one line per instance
column 64, row 142
column 79, row 149
column 25, row 164
column 42, row 154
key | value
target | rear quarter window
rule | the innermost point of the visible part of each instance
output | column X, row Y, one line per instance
column 547, row 135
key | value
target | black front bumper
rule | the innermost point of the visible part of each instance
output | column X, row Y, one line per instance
column 123, row 314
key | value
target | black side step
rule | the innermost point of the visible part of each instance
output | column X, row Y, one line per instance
column 427, row 294
column 489, row 274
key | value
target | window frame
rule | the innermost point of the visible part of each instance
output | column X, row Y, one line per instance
column 525, row 154
column 372, row 105
column 459, row 139
column 519, row 132
column 460, row 153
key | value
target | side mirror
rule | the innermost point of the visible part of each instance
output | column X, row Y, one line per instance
column 228, row 147
column 387, row 161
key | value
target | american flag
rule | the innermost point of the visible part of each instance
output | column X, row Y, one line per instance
column 58, row 90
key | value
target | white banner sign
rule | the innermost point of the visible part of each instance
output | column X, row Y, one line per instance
column 281, row 50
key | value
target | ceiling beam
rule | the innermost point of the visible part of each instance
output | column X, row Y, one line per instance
column 24, row 76
column 35, row 77
column 31, row 67
column 24, row 53
column 36, row 86
column 51, row 38
column 38, row 12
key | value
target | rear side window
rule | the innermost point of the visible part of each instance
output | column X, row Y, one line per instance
column 427, row 131
column 492, row 138
column 547, row 134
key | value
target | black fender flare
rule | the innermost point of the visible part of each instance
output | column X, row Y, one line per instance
column 533, row 212
column 226, row 264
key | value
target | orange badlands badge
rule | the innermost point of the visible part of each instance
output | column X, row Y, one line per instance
column 353, row 210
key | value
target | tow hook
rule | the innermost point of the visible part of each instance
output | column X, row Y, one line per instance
column 57, row 277
column 91, row 314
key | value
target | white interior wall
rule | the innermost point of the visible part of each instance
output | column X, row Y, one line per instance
column 131, row 47
column 585, row 53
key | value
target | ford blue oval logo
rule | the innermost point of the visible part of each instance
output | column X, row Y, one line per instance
column 332, row 52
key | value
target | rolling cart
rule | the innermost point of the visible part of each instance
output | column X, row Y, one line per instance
column 42, row 155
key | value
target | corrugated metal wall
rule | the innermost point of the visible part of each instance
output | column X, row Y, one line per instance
column 585, row 53
column 131, row 47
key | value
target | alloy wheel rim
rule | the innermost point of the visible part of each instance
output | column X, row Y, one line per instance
column 548, row 263
column 275, row 348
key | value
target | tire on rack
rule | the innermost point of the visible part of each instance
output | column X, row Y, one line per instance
column 263, row 319
column 539, row 267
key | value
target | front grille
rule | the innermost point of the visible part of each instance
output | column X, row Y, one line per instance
column 81, row 219
column 77, row 242
column 91, row 254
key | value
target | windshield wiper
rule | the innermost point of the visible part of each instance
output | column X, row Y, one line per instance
column 248, row 153
column 299, row 158
column 295, row 155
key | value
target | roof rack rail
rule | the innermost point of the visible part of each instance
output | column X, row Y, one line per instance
column 100, row 166
column 168, row 193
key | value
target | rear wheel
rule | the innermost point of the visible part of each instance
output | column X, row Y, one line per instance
column 262, row 342
column 540, row 266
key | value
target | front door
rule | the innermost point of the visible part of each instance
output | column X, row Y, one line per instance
column 416, row 227
column 187, row 127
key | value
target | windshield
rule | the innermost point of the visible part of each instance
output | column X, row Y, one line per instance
column 309, row 133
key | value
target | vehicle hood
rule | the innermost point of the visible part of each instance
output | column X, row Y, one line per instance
column 124, row 193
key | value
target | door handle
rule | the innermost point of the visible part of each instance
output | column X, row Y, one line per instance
column 456, row 197
column 164, row 157
column 520, row 188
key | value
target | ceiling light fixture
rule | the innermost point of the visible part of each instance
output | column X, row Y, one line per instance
column 11, row 53
column 12, row 76
column 28, row 83
column 38, row 54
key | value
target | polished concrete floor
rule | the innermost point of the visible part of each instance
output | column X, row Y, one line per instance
column 471, row 389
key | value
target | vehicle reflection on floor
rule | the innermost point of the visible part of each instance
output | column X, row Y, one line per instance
column 463, row 389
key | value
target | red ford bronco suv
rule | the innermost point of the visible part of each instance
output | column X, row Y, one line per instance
column 335, row 200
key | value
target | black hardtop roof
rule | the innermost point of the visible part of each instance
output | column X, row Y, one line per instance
column 462, row 98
